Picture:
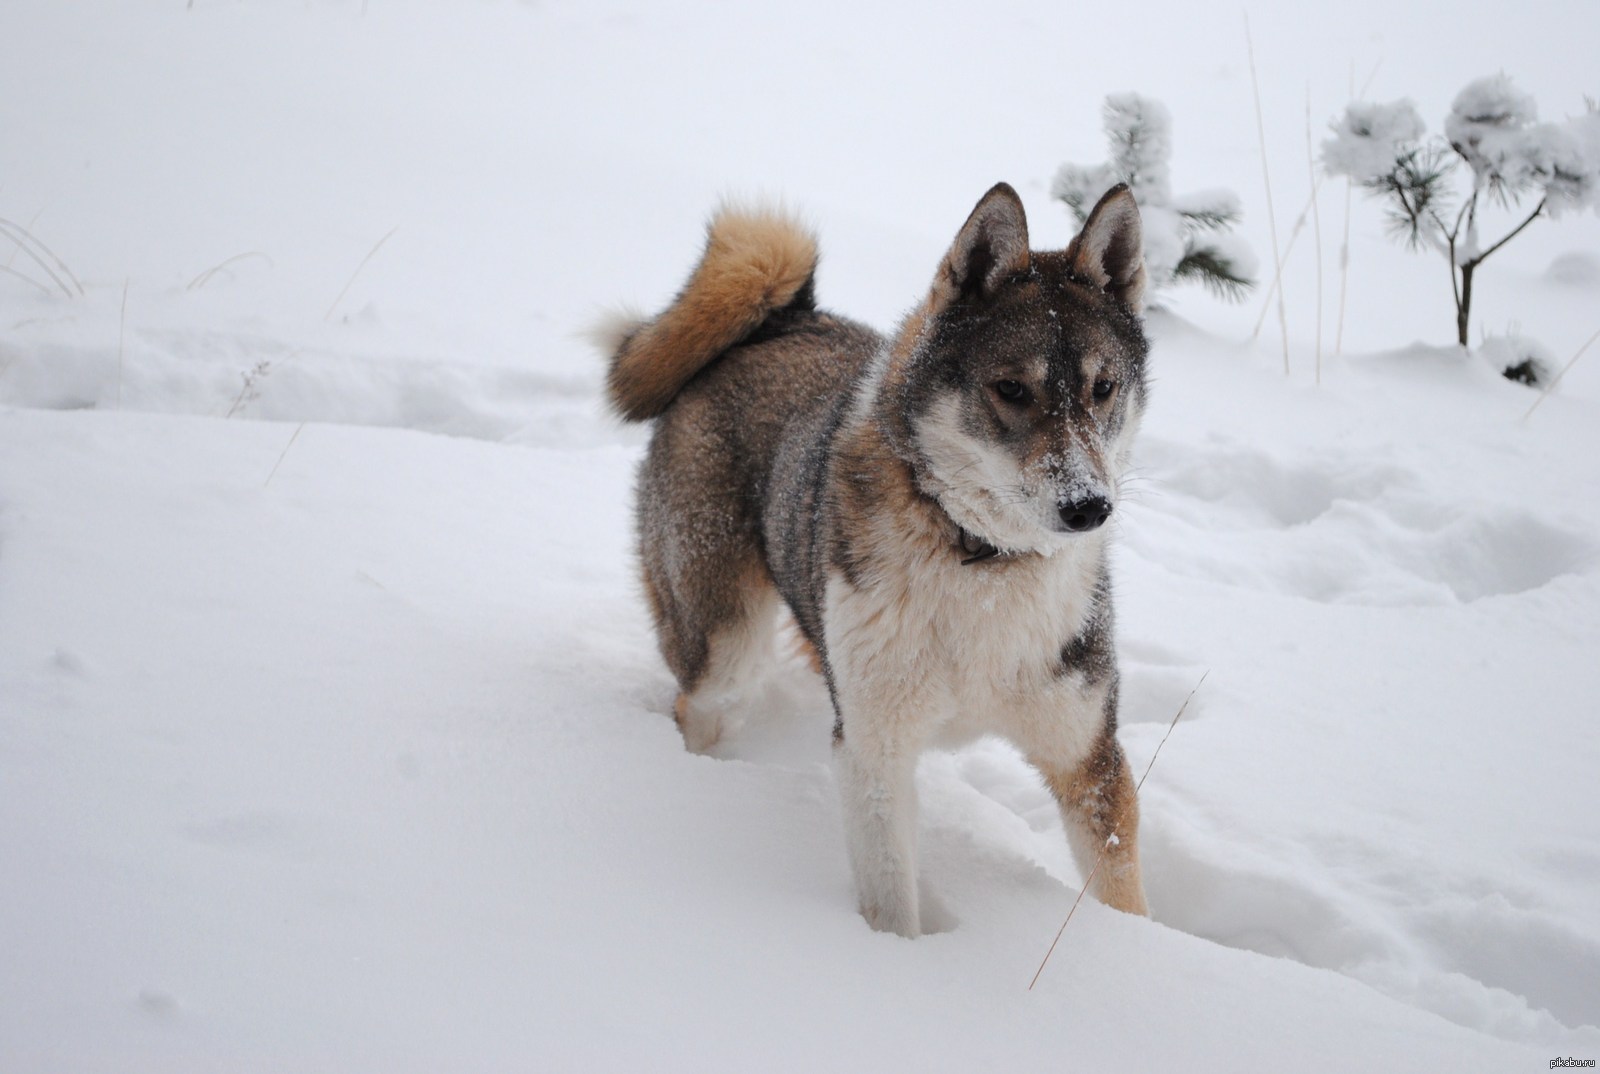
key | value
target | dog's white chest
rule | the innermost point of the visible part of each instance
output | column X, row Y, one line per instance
column 974, row 648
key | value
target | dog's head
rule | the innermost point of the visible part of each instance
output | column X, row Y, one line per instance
column 1023, row 375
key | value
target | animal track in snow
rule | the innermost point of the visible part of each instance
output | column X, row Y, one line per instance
column 1339, row 531
column 1156, row 683
column 1521, row 949
column 1457, row 945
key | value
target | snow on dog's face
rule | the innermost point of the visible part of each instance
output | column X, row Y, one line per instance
column 1026, row 380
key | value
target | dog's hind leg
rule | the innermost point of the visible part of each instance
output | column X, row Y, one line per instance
column 716, row 637
column 735, row 655
column 1100, row 811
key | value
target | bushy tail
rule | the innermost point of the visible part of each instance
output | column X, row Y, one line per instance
column 756, row 262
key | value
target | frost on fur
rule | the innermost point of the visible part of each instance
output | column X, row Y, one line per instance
column 1187, row 237
column 1492, row 133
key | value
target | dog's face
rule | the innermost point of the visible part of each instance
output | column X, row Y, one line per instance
column 1027, row 380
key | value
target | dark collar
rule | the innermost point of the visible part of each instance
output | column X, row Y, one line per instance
column 969, row 546
column 974, row 549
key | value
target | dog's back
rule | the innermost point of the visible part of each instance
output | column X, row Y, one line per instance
column 744, row 376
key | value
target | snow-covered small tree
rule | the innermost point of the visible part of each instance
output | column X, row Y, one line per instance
column 1492, row 131
column 1186, row 237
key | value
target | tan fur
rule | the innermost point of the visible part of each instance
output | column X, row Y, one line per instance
column 1100, row 810
column 807, row 652
column 755, row 262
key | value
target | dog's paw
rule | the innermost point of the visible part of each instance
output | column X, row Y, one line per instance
column 701, row 729
column 900, row 920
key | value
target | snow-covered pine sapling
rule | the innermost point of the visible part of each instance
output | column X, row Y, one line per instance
column 1492, row 132
column 1188, row 237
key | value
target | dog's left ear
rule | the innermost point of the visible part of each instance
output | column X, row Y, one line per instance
column 1109, row 252
column 992, row 245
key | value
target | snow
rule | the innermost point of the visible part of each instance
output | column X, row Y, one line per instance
column 1494, row 125
column 1489, row 121
column 1571, row 164
column 1140, row 131
column 1369, row 137
column 333, row 735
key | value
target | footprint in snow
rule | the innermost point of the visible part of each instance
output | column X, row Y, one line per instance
column 1341, row 531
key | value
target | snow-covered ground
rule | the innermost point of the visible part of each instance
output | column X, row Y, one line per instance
column 332, row 732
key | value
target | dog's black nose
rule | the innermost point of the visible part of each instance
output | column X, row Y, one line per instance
column 1089, row 513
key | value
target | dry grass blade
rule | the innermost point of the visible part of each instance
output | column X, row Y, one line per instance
column 1266, row 178
column 9, row 271
column 1316, row 225
column 1299, row 226
column 1102, row 855
column 29, row 244
column 32, row 220
column 205, row 277
column 1548, row 388
column 284, row 455
column 1344, row 246
column 122, row 331
column 351, row 282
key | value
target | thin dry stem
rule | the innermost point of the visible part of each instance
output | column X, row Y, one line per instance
column 247, row 391
column 1102, row 855
column 122, row 331
column 1266, row 178
column 1344, row 245
column 32, row 220
column 205, row 277
column 16, row 232
column 351, row 282
column 25, row 278
column 1316, row 226
column 284, row 455
column 1300, row 222
column 1548, row 388
column 39, row 251
column 1344, row 269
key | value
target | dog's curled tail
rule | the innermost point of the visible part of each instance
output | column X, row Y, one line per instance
column 756, row 262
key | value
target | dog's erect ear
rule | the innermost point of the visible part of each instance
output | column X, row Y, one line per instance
column 1109, row 252
column 992, row 245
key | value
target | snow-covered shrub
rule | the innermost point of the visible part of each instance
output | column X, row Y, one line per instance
column 1187, row 237
column 1493, row 132
column 1518, row 358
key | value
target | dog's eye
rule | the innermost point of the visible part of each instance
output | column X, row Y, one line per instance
column 1103, row 389
column 1011, row 391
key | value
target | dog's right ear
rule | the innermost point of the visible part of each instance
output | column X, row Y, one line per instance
column 1109, row 252
column 992, row 245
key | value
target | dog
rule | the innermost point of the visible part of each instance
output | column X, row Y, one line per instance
column 929, row 506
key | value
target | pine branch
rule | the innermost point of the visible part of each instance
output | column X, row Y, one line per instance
column 1513, row 233
column 1416, row 184
column 1209, row 219
column 1219, row 275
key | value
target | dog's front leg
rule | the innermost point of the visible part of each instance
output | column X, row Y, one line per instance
column 877, row 788
column 1100, row 811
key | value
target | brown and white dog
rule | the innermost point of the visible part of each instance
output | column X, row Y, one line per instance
column 929, row 505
